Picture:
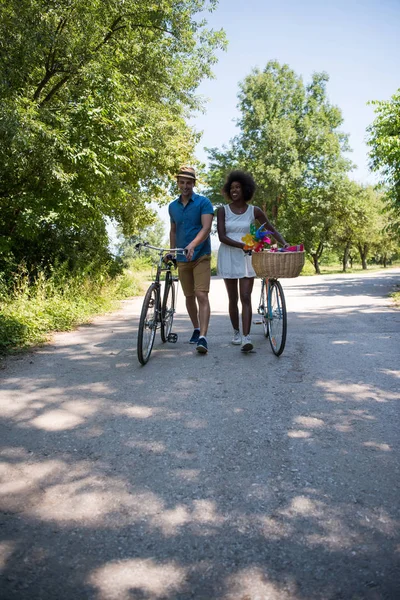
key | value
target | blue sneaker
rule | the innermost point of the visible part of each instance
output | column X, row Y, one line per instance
column 202, row 346
column 195, row 337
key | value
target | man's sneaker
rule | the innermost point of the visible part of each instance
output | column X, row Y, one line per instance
column 202, row 346
column 237, row 338
column 246, row 344
column 195, row 337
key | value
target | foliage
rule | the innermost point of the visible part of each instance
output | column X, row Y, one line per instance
column 57, row 303
column 154, row 234
column 288, row 135
column 95, row 97
column 396, row 298
column 385, row 149
column 290, row 140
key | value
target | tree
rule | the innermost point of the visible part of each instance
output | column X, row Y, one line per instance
column 385, row 149
column 359, row 222
column 290, row 140
column 154, row 234
column 95, row 97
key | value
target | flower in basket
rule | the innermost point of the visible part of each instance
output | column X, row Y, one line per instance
column 257, row 239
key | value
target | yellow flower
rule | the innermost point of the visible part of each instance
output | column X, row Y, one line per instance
column 248, row 240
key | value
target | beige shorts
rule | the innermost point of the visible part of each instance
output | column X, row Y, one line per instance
column 195, row 275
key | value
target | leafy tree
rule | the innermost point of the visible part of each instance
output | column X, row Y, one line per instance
column 312, row 216
column 386, row 248
column 94, row 100
column 290, row 141
column 154, row 234
column 359, row 223
column 385, row 149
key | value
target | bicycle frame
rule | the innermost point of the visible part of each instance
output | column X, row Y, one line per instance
column 157, row 312
column 161, row 264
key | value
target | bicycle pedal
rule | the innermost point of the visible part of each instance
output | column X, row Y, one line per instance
column 172, row 338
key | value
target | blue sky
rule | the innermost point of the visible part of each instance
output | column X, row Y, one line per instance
column 356, row 42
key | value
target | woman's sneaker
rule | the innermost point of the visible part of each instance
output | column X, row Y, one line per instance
column 246, row 344
column 237, row 338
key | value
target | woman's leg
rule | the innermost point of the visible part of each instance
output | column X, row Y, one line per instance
column 246, row 287
column 232, row 289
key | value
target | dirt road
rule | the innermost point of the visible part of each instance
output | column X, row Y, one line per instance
column 225, row 476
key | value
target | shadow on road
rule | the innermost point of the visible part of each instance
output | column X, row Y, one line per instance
column 224, row 476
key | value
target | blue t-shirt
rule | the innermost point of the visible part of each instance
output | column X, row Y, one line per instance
column 188, row 223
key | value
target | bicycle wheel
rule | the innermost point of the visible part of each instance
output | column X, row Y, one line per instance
column 147, row 324
column 263, row 310
column 168, row 307
column 277, row 319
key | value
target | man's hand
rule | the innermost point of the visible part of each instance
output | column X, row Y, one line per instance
column 168, row 258
column 189, row 251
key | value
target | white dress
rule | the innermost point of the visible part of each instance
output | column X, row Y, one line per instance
column 233, row 263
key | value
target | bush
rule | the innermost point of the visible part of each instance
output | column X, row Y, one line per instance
column 30, row 311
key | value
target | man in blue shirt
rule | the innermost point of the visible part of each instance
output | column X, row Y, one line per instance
column 191, row 219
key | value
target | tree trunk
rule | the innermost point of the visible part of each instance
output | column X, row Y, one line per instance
column 363, row 250
column 316, row 263
column 384, row 259
column 346, row 255
column 275, row 207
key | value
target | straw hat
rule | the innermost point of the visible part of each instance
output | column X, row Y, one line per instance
column 188, row 172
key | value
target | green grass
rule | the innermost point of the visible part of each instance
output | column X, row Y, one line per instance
column 32, row 312
column 396, row 298
column 336, row 269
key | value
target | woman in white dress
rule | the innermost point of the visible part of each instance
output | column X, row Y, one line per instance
column 234, row 265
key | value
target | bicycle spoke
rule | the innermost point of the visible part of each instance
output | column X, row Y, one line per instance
column 277, row 320
column 148, row 324
column 168, row 307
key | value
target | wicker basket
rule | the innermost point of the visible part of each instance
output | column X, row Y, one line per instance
column 277, row 264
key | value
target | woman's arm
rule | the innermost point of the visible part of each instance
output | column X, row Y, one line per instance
column 222, row 231
column 261, row 218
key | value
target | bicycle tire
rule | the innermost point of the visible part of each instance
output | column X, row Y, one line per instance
column 264, row 307
column 277, row 317
column 148, row 324
column 168, row 307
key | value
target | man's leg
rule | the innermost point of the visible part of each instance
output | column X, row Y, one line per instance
column 187, row 282
column 204, row 311
column 191, row 307
column 202, row 276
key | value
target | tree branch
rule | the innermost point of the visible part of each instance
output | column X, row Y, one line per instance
column 54, row 90
column 50, row 72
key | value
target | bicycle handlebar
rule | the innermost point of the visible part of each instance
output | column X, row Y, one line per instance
column 161, row 250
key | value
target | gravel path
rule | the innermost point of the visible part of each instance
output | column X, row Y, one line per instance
column 225, row 476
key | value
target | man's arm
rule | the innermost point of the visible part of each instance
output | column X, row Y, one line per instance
column 172, row 235
column 206, row 222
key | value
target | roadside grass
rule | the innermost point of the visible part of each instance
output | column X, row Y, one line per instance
column 396, row 298
column 31, row 312
column 336, row 268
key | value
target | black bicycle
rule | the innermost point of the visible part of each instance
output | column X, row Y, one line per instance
column 272, row 309
column 157, row 313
